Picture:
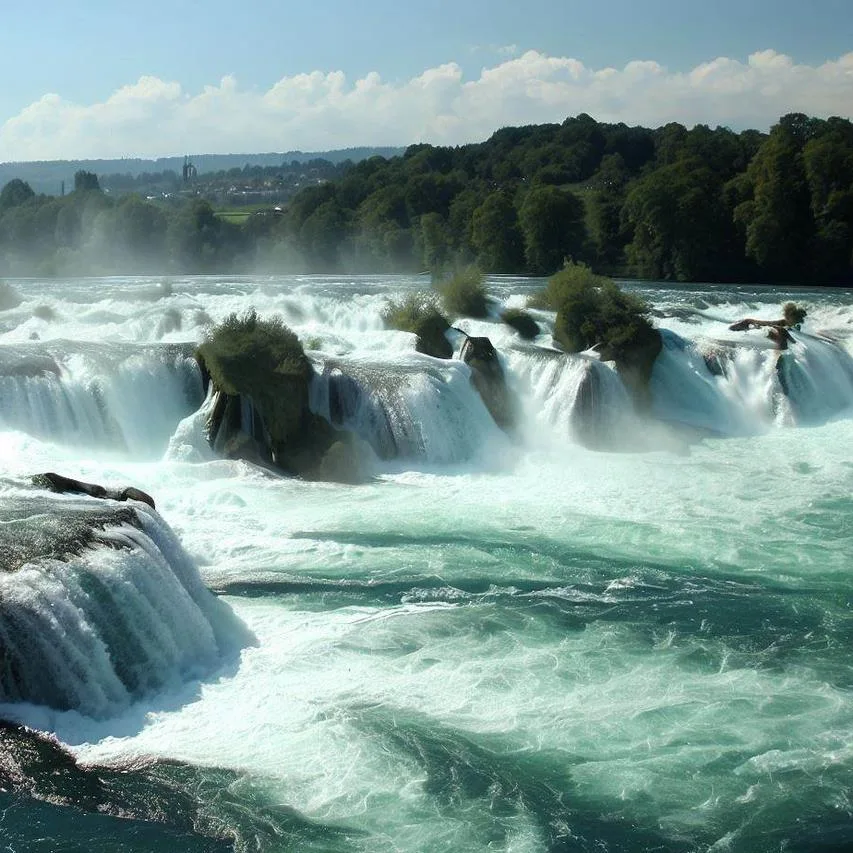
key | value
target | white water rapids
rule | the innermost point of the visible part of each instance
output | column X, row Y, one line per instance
column 606, row 631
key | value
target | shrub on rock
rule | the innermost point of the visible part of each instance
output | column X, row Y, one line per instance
column 593, row 311
column 522, row 322
column 793, row 314
column 417, row 313
column 464, row 294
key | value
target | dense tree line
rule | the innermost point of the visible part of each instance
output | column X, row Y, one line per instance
column 89, row 232
column 666, row 203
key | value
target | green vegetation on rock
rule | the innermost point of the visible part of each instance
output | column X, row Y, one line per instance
column 417, row 313
column 522, row 322
column 262, row 359
column 593, row 311
column 793, row 314
column 245, row 352
column 463, row 294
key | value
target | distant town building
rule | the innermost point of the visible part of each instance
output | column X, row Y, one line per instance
column 190, row 171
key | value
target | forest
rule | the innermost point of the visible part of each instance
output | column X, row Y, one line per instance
column 669, row 203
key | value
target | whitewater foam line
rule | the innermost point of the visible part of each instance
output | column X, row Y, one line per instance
column 123, row 619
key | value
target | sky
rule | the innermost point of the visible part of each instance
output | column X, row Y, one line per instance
column 108, row 78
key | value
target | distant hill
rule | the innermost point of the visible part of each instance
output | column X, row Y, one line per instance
column 46, row 176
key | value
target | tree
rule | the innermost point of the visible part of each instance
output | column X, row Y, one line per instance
column 434, row 242
column 677, row 222
column 16, row 192
column 777, row 220
column 495, row 235
column 552, row 223
column 86, row 181
column 828, row 163
column 322, row 235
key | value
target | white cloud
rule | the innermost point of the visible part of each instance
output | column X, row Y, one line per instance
column 320, row 110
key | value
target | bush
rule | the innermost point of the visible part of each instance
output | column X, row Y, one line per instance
column 417, row 313
column 245, row 354
column 592, row 310
column 793, row 314
column 464, row 295
column 572, row 276
column 522, row 322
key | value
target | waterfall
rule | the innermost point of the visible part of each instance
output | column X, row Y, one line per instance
column 725, row 391
column 574, row 395
column 413, row 407
column 116, row 396
column 743, row 387
column 817, row 377
column 124, row 617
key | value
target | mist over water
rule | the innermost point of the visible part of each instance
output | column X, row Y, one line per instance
column 618, row 634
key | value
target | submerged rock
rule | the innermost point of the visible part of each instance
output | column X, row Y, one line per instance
column 28, row 534
column 143, row 803
column 100, row 605
column 488, row 378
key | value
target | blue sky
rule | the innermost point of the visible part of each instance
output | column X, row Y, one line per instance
column 85, row 52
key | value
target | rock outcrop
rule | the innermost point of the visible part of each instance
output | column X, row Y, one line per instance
column 62, row 484
column 521, row 322
column 634, row 364
column 488, row 378
column 261, row 378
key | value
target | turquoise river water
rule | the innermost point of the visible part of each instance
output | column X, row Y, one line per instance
column 499, row 643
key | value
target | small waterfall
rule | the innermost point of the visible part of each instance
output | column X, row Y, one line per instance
column 727, row 392
column 817, row 377
column 578, row 396
column 734, row 388
column 114, row 396
column 414, row 407
column 127, row 616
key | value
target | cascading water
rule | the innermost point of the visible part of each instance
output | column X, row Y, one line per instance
column 515, row 642
column 415, row 407
column 103, row 622
column 575, row 395
column 110, row 396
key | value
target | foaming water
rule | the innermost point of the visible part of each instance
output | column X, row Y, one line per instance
column 113, row 396
column 501, row 642
column 93, row 629
column 412, row 407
